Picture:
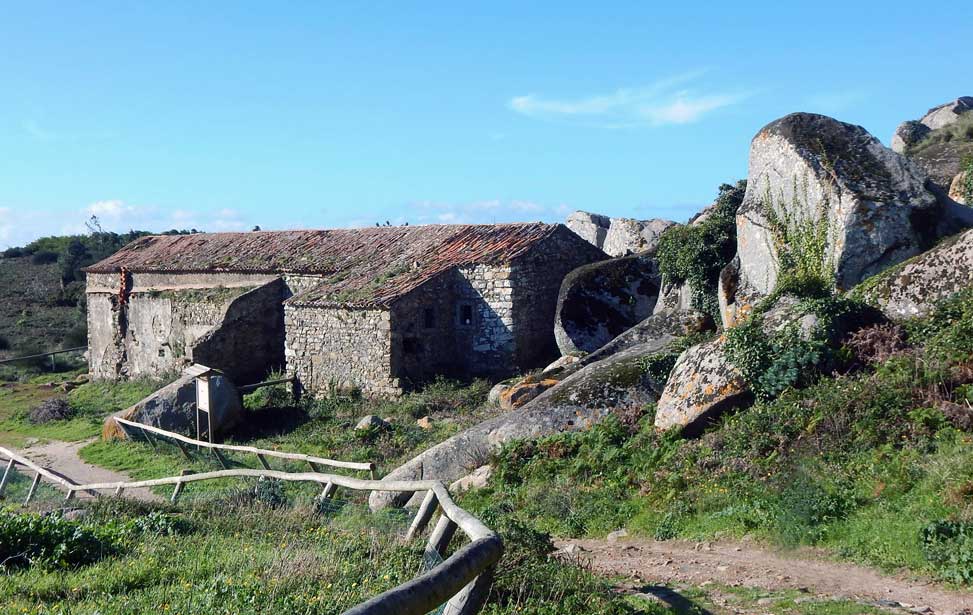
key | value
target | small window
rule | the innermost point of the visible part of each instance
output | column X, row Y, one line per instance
column 429, row 318
column 466, row 315
column 162, row 352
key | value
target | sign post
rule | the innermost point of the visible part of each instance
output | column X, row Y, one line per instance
column 204, row 403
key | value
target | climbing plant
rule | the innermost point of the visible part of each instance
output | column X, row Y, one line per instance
column 800, row 235
column 695, row 254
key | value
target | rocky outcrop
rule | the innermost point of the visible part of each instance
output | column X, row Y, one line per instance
column 627, row 236
column 946, row 114
column 913, row 288
column 519, row 394
column 617, row 383
column 618, row 236
column 593, row 228
column 702, row 385
column 809, row 172
column 597, row 302
column 173, row 408
column 661, row 329
column 908, row 134
column 940, row 141
column 958, row 188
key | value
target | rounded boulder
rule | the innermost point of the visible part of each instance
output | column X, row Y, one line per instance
column 600, row 301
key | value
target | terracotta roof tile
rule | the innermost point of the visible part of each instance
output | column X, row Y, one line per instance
column 369, row 266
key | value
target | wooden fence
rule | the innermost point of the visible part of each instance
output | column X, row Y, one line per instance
column 150, row 434
column 462, row 581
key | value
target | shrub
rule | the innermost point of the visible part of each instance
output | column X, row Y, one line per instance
column 948, row 545
column 877, row 343
column 52, row 542
column 44, row 257
column 697, row 253
column 13, row 253
column 54, row 409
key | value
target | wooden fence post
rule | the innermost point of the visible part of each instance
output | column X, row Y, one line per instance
column 178, row 488
column 6, row 476
column 471, row 598
column 429, row 505
column 33, row 488
column 441, row 536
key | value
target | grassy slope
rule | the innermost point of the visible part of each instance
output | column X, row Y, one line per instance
column 91, row 402
column 859, row 464
column 29, row 316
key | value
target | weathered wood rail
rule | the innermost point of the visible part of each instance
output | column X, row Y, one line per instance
column 462, row 581
column 132, row 427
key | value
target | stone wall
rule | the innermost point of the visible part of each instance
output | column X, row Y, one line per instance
column 340, row 348
column 486, row 343
column 249, row 341
column 153, row 324
column 535, row 282
column 425, row 339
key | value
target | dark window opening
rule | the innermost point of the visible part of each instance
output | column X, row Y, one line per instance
column 429, row 318
column 162, row 352
column 466, row 315
column 411, row 345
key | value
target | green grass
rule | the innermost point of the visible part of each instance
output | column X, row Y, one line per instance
column 859, row 464
column 92, row 402
column 239, row 555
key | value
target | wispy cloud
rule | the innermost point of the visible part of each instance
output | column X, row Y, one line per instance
column 666, row 102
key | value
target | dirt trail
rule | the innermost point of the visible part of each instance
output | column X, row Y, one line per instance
column 62, row 458
column 651, row 563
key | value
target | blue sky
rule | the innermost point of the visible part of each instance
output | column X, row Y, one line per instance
column 222, row 116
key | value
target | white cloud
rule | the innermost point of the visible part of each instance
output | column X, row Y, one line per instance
column 661, row 103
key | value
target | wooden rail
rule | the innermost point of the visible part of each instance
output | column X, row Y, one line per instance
column 41, row 355
column 261, row 453
column 462, row 581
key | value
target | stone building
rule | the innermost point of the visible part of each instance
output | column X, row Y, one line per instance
column 380, row 309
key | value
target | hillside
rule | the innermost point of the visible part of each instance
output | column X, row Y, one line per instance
column 33, row 315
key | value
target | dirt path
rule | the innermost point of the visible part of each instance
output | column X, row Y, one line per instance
column 651, row 564
column 62, row 458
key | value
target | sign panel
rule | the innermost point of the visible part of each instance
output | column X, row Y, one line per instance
column 202, row 394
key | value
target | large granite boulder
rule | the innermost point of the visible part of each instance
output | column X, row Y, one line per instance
column 702, row 385
column 908, row 134
column 913, row 288
column 618, row 236
column 615, row 384
column 958, row 188
column 940, row 141
column 948, row 113
column 593, row 228
column 599, row 301
column 627, row 236
column 173, row 408
column 809, row 172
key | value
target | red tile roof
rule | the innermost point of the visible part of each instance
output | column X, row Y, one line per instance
column 360, row 267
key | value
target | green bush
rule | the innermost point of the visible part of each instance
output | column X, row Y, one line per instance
column 697, row 253
column 43, row 258
column 949, row 546
column 52, row 542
